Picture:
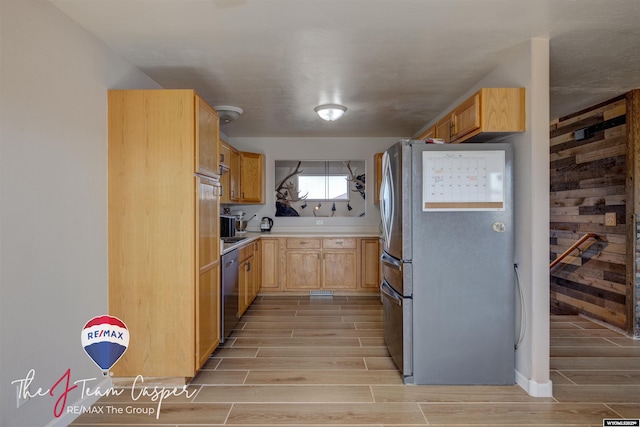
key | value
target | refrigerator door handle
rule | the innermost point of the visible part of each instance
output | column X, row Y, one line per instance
column 391, row 261
column 388, row 292
column 386, row 198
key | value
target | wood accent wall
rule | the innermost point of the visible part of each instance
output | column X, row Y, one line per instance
column 589, row 180
column 633, row 208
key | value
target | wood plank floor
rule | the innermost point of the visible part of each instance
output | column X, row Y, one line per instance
column 300, row 361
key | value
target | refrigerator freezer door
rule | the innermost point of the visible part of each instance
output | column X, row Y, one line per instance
column 397, row 328
column 392, row 271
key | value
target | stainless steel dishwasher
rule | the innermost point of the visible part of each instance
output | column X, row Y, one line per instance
column 229, row 294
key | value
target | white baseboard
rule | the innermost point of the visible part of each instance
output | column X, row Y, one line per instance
column 67, row 418
column 534, row 388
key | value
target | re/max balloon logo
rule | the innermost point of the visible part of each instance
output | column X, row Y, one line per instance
column 105, row 339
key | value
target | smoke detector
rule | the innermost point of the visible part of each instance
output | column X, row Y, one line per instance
column 228, row 113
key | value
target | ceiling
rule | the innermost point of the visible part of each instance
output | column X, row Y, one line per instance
column 395, row 64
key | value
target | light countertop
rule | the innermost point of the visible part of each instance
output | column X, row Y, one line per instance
column 251, row 236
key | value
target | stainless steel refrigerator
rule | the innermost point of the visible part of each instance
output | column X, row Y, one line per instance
column 448, row 264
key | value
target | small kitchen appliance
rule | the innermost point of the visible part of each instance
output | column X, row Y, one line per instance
column 241, row 222
column 266, row 224
column 227, row 225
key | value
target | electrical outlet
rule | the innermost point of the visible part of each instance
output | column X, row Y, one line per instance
column 610, row 219
column 319, row 222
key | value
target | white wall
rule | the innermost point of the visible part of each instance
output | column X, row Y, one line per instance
column 528, row 66
column 53, row 194
column 314, row 149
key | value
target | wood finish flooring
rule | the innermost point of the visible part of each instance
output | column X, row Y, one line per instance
column 300, row 361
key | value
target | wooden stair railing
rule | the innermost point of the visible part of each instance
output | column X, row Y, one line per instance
column 572, row 248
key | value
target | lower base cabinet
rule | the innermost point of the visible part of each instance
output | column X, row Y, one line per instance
column 207, row 313
column 248, row 275
column 319, row 263
column 340, row 263
column 303, row 269
column 370, row 250
column 270, row 264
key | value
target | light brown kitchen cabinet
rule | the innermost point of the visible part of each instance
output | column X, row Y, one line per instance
column 246, row 277
column 163, row 231
column 230, row 178
column 377, row 176
column 224, row 185
column 444, row 128
column 208, row 283
column 484, row 116
column 243, row 176
column 303, row 263
column 225, row 153
column 257, row 261
column 223, row 164
column 342, row 264
column 314, row 263
column 429, row 133
column 339, row 263
column 251, row 177
column 369, row 263
column 208, row 336
column 234, row 176
column 207, row 139
column 270, row 266
column 466, row 117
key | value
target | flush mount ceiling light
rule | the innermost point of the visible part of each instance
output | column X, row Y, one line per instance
column 330, row 112
column 228, row 113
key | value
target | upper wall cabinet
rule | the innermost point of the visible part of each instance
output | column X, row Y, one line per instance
column 488, row 114
column 230, row 173
column 242, row 177
column 429, row 133
column 251, row 177
column 207, row 135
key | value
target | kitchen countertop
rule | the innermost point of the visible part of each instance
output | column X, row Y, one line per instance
column 251, row 236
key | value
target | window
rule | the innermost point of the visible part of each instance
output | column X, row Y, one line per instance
column 320, row 188
column 324, row 187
